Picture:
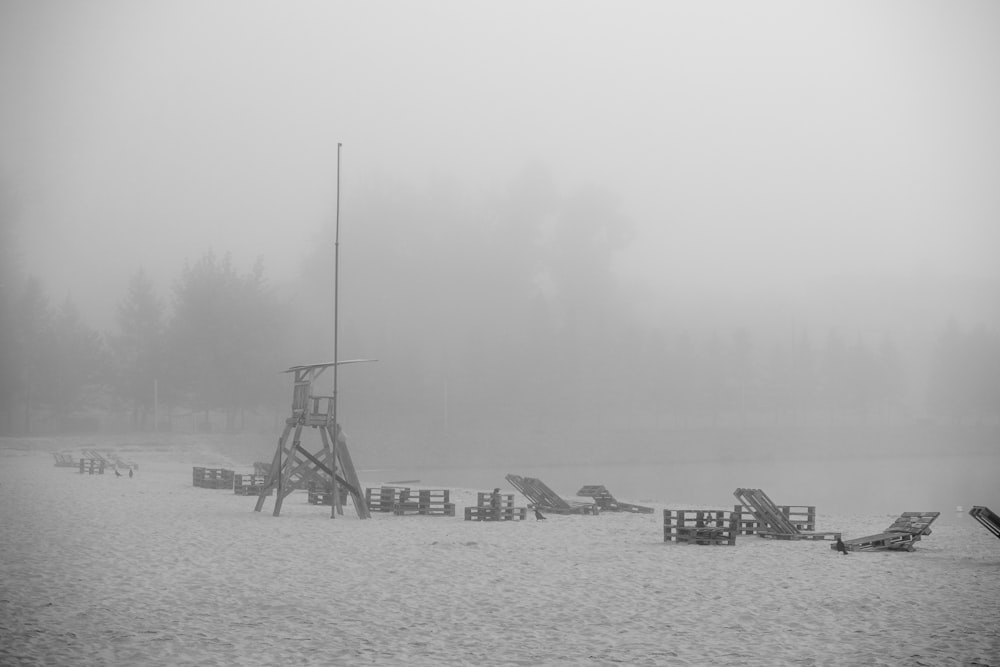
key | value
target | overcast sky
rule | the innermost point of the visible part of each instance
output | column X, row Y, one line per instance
column 754, row 144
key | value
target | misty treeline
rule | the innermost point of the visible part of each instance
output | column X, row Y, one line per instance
column 207, row 349
column 498, row 311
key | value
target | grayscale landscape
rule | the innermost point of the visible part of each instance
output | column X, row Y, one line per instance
column 671, row 248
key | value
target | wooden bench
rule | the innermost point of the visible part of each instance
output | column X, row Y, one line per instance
column 485, row 511
column 430, row 502
column 700, row 526
column 212, row 478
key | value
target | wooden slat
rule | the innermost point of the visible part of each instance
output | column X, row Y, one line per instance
column 545, row 499
column 986, row 517
column 480, row 513
column 700, row 526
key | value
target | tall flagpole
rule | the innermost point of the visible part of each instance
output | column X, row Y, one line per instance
column 336, row 328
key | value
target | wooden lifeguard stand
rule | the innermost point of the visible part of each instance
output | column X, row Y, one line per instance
column 329, row 467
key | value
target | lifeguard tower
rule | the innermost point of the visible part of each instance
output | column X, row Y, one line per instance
column 331, row 466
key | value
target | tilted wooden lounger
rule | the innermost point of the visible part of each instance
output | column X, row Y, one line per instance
column 543, row 498
column 608, row 502
column 900, row 536
column 772, row 521
column 986, row 517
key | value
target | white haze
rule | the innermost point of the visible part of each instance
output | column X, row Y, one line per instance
column 763, row 150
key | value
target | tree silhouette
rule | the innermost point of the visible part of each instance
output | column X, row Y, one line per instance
column 11, row 379
column 223, row 338
column 80, row 362
column 138, row 348
column 35, row 371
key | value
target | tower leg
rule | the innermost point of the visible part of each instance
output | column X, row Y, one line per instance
column 272, row 475
column 286, row 470
column 350, row 474
column 331, row 457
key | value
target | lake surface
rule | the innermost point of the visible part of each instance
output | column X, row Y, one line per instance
column 838, row 486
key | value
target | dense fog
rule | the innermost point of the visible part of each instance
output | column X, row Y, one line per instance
column 616, row 232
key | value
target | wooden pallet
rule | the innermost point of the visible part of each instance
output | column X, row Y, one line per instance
column 249, row 484
column 484, row 498
column 212, row 478
column 608, row 502
column 487, row 513
column 987, row 518
column 918, row 523
column 65, row 460
column 543, row 498
column 902, row 535
column 428, row 502
column 110, row 458
column 92, row 466
column 772, row 522
column 324, row 496
column 802, row 517
column 700, row 526
column 383, row 498
column 882, row 542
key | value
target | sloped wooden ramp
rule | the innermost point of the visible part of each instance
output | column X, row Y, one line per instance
column 608, row 502
column 543, row 498
column 900, row 536
column 772, row 521
column 986, row 517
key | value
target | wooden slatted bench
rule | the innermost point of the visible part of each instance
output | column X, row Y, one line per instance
column 484, row 510
column 92, row 466
column 212, row 478
column 430, row 502
column 700, row 526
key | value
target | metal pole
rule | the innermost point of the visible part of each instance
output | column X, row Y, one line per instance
column 336, row 327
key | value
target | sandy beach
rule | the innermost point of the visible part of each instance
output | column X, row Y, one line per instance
column 101, row 570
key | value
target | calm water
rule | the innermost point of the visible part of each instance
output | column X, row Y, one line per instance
column 848, row 486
